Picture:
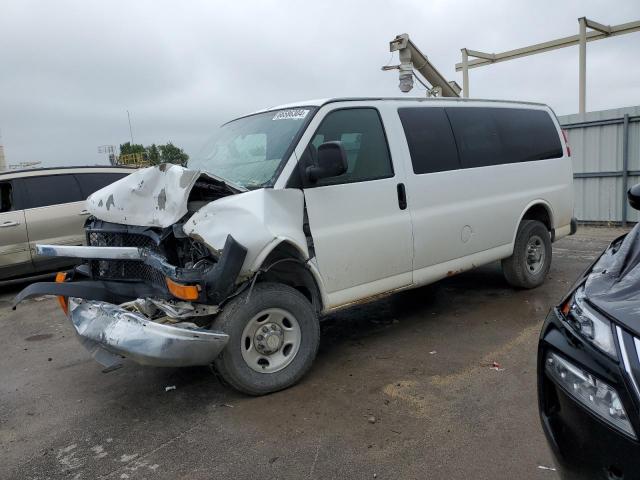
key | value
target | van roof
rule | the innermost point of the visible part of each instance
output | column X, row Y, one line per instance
column 319, row 102
column 33, row 172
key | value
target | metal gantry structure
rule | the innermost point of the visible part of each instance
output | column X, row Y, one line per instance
column 411, row 58
column 598, row 32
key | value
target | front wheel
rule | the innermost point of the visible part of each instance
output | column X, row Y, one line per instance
column 531, row 259
column 273, row 339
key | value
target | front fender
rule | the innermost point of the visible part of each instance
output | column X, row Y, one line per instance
column 258, row 219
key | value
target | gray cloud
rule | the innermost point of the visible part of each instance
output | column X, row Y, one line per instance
column 70, row 70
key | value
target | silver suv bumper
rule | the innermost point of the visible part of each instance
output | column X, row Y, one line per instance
column 110, row 332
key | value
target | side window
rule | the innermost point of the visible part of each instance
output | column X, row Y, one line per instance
column 51, row 190
column 529, row 135
column 430, row 139
column 362, row 135
column 92, row 182
column 6, row 197
column 495, row 136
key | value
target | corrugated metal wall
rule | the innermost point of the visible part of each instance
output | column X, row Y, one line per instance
column 597, row 141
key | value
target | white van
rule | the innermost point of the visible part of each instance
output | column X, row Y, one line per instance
column 297, row 210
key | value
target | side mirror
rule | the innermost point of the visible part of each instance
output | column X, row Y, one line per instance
column 331, row 162
column 633, row 195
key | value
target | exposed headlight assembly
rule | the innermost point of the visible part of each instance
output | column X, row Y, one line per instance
column 595, row 395
column 591, row 325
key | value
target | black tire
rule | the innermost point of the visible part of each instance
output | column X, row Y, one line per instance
column 231, row 365
column 516, row 270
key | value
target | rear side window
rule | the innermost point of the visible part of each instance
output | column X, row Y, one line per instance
column 92, row 182
column 430, row 139
column 6, row 197
column 361, row 133
column 495, row 136
column 51, row 190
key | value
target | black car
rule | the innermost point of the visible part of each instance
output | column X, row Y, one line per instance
column 589, row 367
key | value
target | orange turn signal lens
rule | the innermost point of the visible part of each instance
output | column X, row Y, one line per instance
column 183, row 292
column 61, row 277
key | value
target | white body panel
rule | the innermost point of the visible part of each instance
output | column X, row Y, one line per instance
column 363, row 241
column 259, row 220
column 149, row 197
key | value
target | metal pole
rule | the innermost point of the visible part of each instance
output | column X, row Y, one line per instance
column 465, row 73
column 582, row 88
column 625, row 166
column 130, row 131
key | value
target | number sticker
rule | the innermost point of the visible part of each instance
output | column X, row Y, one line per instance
column 293, row 114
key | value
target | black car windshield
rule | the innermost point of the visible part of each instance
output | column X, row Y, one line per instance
column 249, row 151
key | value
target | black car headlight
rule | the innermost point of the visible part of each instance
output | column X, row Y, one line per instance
column 595, row 395
column 589, row 323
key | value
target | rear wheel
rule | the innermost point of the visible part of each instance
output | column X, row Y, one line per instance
column 531, row 259
column 273, row 339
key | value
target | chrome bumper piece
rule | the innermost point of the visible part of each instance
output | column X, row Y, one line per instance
column 110, row 332
column 101, row 253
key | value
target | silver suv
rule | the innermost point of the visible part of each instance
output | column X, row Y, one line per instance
column 45, row 206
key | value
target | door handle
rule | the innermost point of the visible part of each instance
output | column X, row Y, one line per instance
column 84, row 212
column 402, row 196
column 9, row 224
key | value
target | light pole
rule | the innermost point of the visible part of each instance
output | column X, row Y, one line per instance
column 130, row 130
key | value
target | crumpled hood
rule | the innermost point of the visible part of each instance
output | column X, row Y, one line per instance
column 150, row 197
column 613, row 284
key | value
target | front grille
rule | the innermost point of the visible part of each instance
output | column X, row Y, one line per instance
column 118, row 239
column 123, row 270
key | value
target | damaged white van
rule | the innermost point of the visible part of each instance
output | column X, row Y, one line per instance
column 297, row 210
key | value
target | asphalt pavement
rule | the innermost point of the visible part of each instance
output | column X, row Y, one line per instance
column 405, row 387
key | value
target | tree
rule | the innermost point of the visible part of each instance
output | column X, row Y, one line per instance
column 127, row 148
column 169, row 153
column 156, row 154
column 153, row 154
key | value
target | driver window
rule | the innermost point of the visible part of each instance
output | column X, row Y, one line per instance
column 362, row 136
column 5, row 198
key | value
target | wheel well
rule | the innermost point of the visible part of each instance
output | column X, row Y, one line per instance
column 540, row 213
column 286, row 265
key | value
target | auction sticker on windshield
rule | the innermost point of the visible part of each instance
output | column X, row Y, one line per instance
column 293, row 114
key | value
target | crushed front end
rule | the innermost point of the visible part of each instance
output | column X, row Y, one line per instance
column 148, row 293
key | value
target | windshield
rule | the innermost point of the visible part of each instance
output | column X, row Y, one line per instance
column 248, row 151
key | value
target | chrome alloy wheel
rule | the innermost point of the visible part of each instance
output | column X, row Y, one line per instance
column 535, row 254
column 270, row 340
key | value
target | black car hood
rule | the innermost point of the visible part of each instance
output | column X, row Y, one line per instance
column 613, row 284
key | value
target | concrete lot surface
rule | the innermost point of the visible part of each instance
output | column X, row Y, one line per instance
column 401, row 388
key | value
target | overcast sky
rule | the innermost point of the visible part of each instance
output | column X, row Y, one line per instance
column 69, row 70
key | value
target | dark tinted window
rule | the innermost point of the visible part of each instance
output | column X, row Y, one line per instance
column 51, row 190
column 6, row 197
column 92, row 182
column 362, row 136
column 430, row 139
column 493, row 136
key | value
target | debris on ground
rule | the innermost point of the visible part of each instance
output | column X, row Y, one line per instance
column 497, row 367
column 170, row 387
column 371, row 419
column 432, row 352
column 228, row 405
column 542, row 467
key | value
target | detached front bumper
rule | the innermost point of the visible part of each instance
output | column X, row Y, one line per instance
column 110, row 332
